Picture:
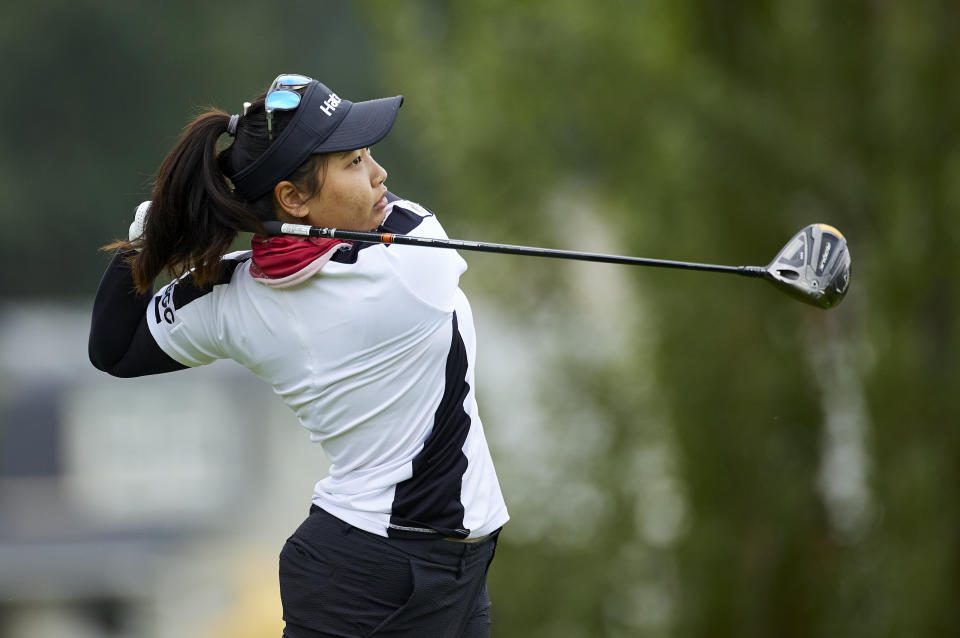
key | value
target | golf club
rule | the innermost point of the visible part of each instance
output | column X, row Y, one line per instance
column 813, row 267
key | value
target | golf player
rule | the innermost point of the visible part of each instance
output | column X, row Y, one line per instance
column 372, row 346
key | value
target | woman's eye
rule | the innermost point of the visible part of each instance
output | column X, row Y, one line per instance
column 359, row 158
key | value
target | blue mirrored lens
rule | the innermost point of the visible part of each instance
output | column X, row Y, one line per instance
column 292, row 81
column 282, row 100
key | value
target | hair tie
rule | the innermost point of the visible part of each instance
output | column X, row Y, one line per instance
column 232, row 125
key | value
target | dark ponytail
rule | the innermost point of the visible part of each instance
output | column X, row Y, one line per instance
column 195, row 214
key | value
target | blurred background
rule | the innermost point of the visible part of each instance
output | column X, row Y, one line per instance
column 683, row 454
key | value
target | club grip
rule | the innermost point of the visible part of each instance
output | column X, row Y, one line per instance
column 282, row 228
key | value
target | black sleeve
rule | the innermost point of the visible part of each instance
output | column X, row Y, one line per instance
column 120, row 340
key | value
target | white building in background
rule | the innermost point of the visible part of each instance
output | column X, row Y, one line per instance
column 150, row 507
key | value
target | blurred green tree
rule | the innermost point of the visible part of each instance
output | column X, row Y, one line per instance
column 713, row 132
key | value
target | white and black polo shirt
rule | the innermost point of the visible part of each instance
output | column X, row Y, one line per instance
column 375, row 354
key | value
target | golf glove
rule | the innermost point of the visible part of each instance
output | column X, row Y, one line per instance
column 139, row 221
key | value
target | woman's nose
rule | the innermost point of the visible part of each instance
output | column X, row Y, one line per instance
column 379, row 173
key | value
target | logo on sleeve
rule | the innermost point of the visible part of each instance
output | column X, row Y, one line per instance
column 163, row 306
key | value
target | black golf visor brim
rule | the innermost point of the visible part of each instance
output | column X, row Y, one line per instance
column 365, row 124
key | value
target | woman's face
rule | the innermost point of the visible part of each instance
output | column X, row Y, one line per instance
column 353, row 195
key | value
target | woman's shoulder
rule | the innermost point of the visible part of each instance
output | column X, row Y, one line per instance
column 405, row 215
column 395, row 202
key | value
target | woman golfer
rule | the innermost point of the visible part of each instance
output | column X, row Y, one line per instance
column 372, row 346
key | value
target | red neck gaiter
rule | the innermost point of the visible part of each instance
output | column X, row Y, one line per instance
column 284, row 260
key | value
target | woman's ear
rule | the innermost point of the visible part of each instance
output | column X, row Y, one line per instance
column 290, row 200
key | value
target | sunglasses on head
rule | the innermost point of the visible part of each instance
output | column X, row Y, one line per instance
column 283, row 96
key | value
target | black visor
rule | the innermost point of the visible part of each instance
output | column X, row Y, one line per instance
column 322, row 123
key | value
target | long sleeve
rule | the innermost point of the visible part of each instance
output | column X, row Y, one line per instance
column 120, row 340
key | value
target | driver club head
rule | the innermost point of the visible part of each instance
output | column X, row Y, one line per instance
column 813, row 267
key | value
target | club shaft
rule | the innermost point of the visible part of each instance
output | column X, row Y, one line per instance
column 279, row 228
